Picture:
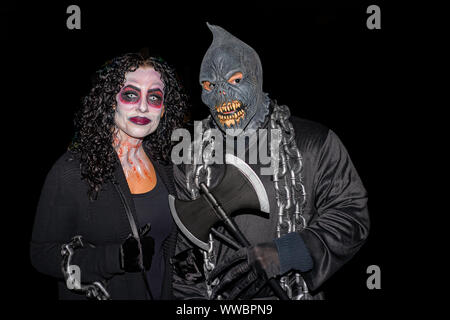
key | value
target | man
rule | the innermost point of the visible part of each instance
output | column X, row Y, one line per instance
column 318, row 214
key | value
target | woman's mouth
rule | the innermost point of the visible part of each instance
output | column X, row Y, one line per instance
column 142, row 121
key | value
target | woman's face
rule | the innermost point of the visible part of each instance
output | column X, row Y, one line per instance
column 140, row 103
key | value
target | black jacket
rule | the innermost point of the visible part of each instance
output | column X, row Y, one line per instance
column 336, row 213
column 64, row 210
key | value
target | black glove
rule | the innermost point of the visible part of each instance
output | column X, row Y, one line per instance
column 131, row 252
column 244, row 273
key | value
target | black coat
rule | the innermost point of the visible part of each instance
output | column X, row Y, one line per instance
column 336, row 212
column 64, row 210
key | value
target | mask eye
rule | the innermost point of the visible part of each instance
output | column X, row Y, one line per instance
column 235, row 78
column 208, row 86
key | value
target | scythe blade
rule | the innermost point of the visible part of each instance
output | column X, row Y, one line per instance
column 240, row 188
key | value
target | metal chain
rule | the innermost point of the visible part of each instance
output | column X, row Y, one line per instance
column 290, row 194
column 95, row 290
column 289, row 189
column 209, row 264
column 202, row 174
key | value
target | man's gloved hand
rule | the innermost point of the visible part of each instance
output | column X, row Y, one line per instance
column 131, row 253
column 245, row 272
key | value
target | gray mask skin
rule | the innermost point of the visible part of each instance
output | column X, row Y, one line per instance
column 236, row 102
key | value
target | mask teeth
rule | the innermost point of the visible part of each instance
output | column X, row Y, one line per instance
column 228, row 106
column 231, row 120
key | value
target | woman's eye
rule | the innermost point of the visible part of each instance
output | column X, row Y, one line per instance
column 129, row 96
column 154, row 99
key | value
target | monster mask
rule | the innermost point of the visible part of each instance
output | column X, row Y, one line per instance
column 231, row 77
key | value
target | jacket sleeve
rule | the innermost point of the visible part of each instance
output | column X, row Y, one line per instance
column 55, row 224
column 188, row 276
column 340, row 225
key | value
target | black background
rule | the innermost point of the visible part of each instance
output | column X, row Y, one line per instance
column 318, row 58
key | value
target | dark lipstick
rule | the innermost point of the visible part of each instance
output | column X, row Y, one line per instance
column 142, row 121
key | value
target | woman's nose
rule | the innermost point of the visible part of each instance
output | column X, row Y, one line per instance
column 143, row 106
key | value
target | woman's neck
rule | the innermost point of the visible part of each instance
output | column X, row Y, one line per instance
column 128, row 148
column 138, row 169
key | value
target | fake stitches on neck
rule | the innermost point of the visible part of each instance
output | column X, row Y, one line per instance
column 137, row 167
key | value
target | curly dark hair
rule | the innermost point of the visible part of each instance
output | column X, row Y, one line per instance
column 94, row 123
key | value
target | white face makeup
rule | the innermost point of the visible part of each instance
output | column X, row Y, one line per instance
column 140, row 103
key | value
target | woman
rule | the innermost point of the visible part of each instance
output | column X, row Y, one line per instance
column 112, row 185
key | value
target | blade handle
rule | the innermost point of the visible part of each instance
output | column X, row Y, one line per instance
column 230, row 225
column 236, row 232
